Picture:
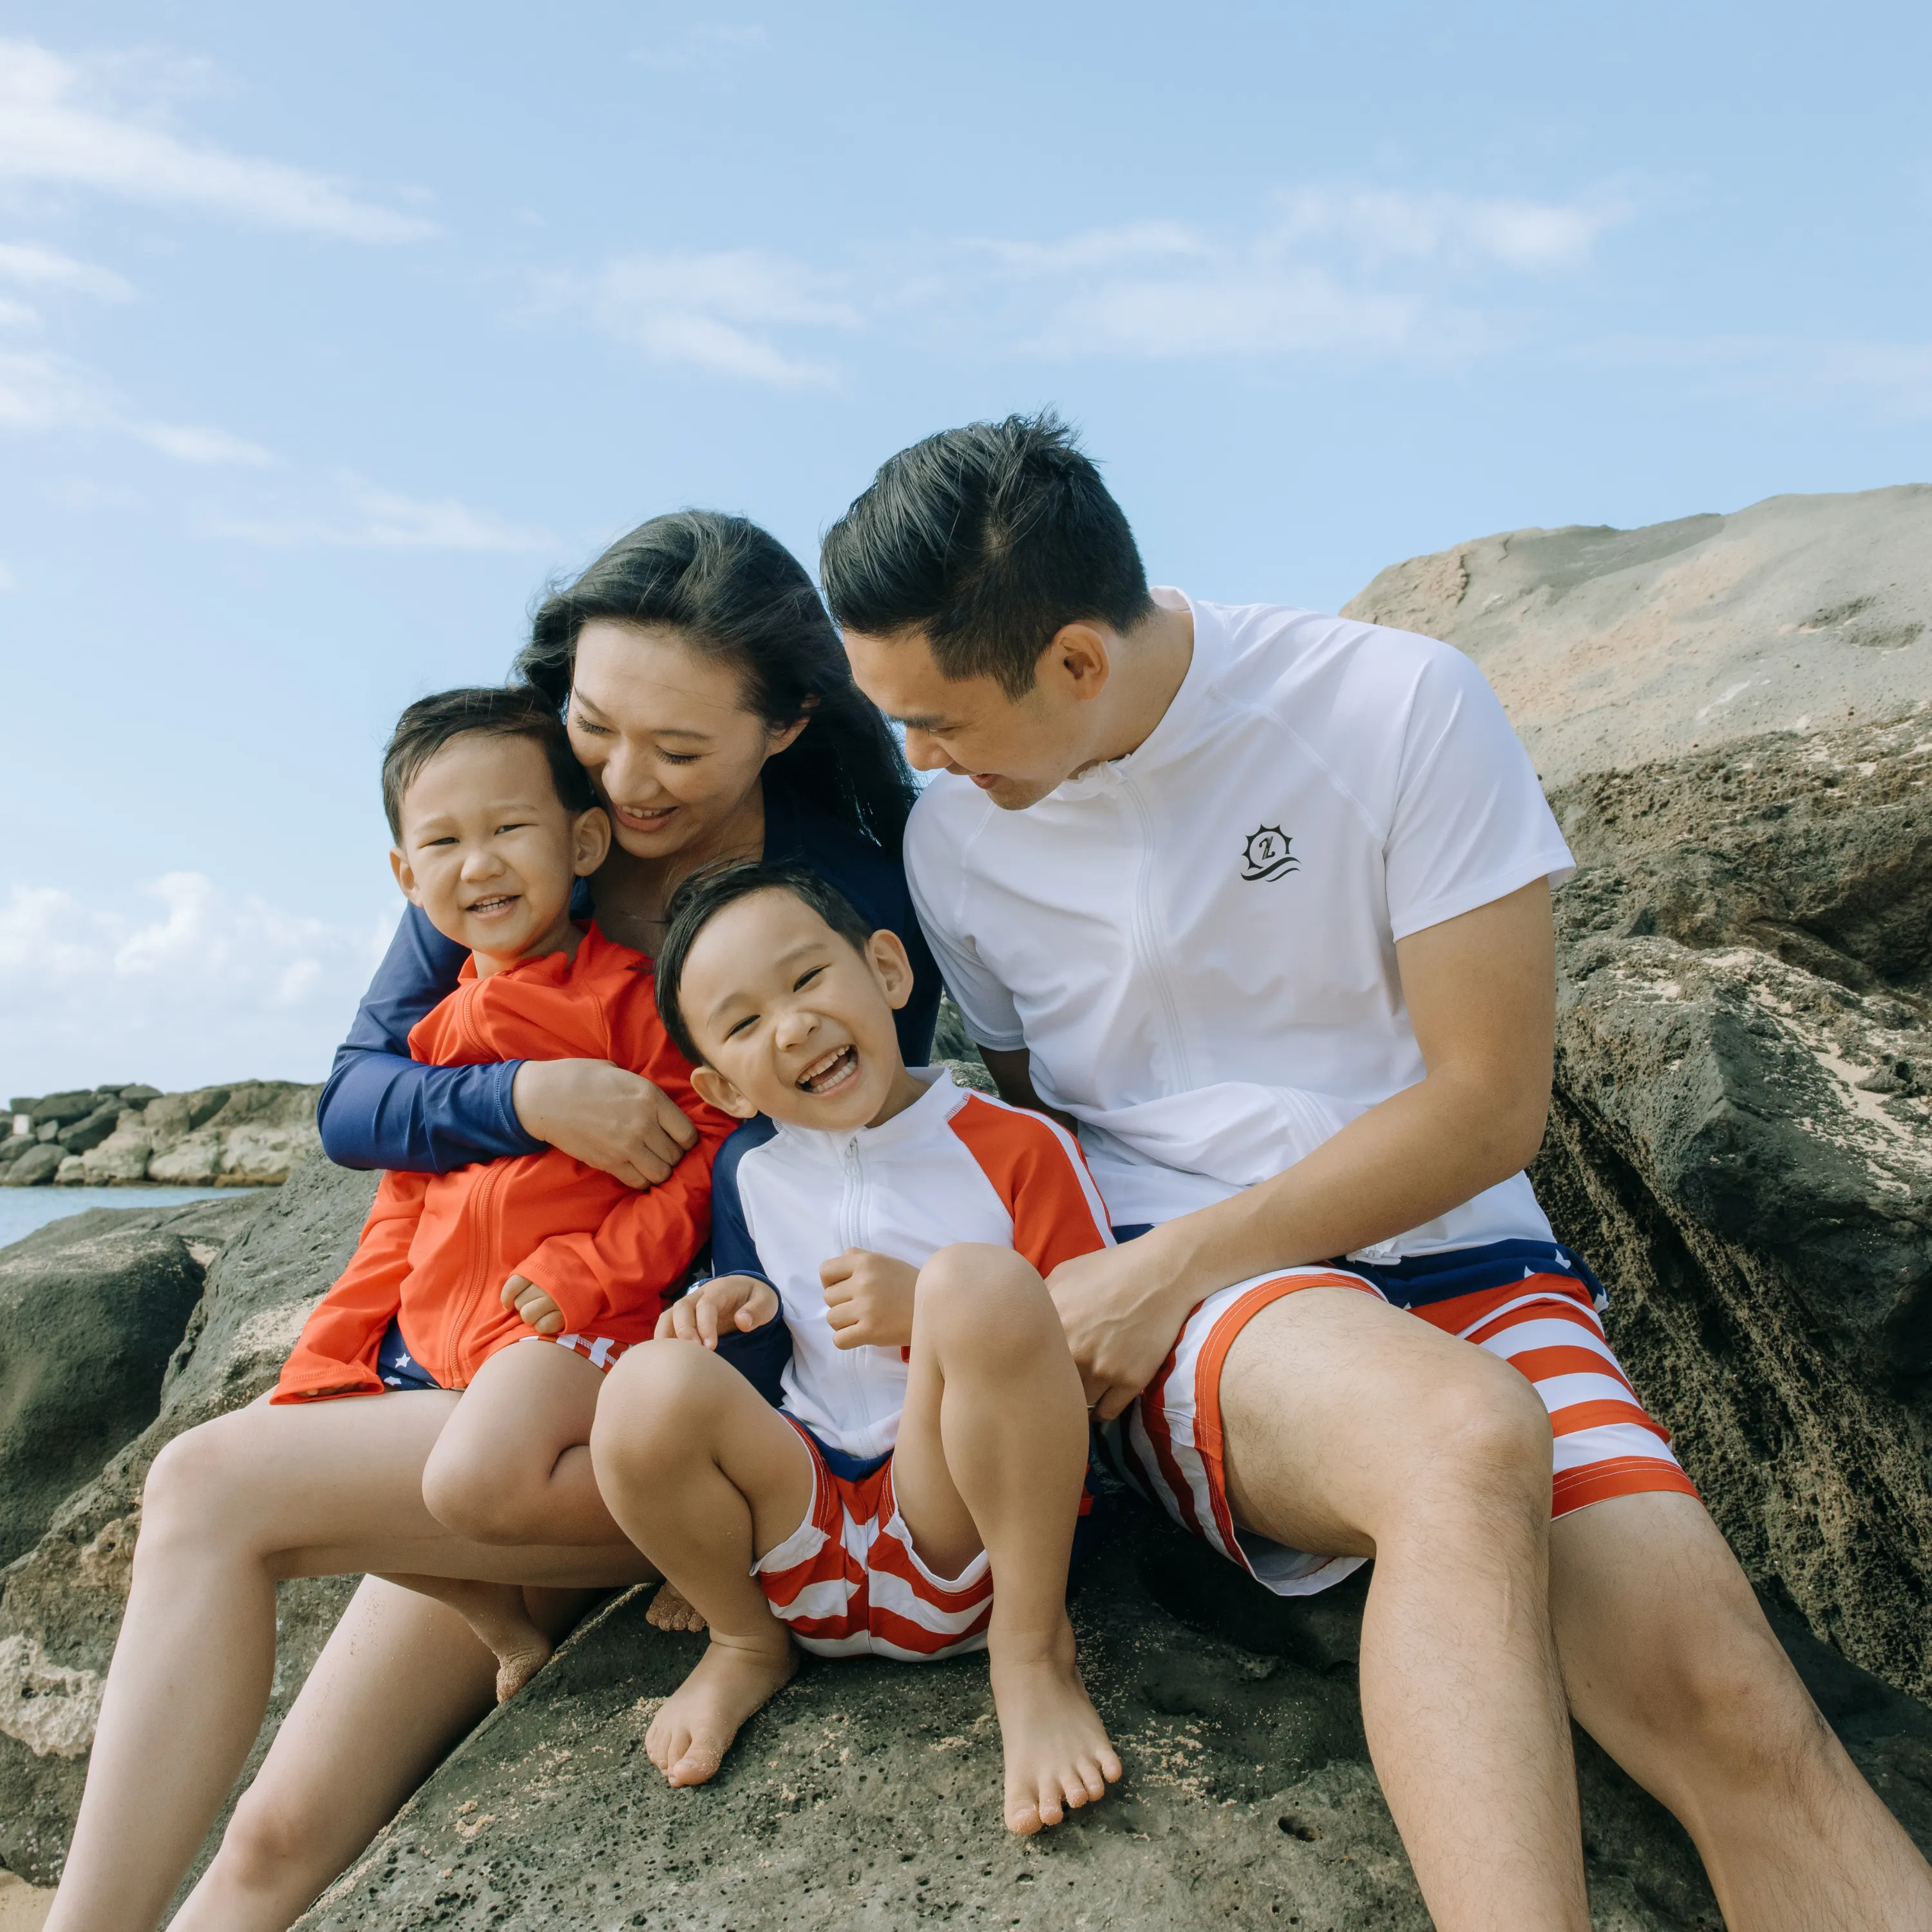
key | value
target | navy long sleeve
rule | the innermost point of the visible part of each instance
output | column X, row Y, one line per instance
column 760, row 1356
column 381, row 1109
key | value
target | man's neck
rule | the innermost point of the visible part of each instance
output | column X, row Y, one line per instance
column 1147, row 672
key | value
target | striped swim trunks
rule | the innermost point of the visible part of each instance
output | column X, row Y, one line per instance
column 1545, row 1323
column 849, row 1583
column 401, row 1370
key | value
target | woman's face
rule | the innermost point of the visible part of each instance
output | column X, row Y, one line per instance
column 664, row 733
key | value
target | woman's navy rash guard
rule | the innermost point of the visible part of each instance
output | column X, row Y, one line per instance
column 381, row 1109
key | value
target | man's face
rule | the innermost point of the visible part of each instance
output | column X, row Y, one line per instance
column 1015, row 750
column 792, row 1020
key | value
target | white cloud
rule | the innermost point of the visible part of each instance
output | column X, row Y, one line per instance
column 1890, row 381
column 705, row 45
column 56, row 127
column 8, row 581
column 29, row 267
column 42, row 392
column 190, row 984
column 371, row 517
column 1332, row 270
column 716, row 312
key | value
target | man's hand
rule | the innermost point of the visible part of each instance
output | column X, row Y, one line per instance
column 739, row 1301
column 1122, row 1308
column 536, row 1307
column 869, row 1299
column 608, row 1118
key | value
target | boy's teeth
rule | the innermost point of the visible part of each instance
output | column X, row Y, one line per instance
column 814, row 1076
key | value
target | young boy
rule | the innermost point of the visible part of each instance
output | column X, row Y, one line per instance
column 932, row 1442
column 494, row 821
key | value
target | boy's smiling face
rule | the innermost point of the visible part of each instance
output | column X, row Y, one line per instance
column 794, row 1020
column 489, row 850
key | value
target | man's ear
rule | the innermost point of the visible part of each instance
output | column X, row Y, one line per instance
column 590, row 841
column 886, row 954
column 1078, row 661
column 714, row 1090
column 406, row 876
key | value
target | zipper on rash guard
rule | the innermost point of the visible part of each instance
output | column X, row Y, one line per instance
column 480, row 1218
column 851, row 1224
column 1147, row 944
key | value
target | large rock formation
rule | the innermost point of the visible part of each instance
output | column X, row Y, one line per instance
column 1742, row 1133
column 250, row 1134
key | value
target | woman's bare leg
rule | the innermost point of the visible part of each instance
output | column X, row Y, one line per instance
column 325, row 1489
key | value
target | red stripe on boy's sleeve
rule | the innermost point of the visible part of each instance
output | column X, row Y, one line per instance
column 1038, row 1170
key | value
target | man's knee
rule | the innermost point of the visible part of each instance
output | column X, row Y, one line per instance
column 1479, row 1432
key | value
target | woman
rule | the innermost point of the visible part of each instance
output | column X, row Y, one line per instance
column 706, row 693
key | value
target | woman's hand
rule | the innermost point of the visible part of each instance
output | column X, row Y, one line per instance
column 739, row 1301
column 607, row 1118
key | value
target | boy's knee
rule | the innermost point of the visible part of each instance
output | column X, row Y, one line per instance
column 651, row 1401
column 973, row 1284
column 484, row 1503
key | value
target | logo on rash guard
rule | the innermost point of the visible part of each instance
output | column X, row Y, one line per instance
column 1266, row 856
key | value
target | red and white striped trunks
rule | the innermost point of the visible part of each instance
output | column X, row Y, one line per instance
column 850, row 1583
column 1168, row 1443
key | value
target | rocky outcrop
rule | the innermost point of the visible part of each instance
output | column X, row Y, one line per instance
column 1742, row 1133
column 248, row 1134
column 267, row 1258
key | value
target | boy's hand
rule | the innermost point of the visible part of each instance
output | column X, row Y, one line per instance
column 739, row 1301
column 869, row 1299
column 535, row 1307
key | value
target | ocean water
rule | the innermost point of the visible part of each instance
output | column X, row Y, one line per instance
column 24, row 1209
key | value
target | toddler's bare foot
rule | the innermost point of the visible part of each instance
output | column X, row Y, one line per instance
column 669, row 1611
column 1057, row 1754
column 500, row 1618
column 689, row 1736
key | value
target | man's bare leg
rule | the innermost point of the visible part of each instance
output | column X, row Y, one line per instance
column 992, row 1453
column 328, row 1489
column 512, row 1466
column 1671, row 1666
column 1351, row 1428
column 704, row 1475
column 397, row 1684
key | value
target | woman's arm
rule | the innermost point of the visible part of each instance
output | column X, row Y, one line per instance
column 381, row 1109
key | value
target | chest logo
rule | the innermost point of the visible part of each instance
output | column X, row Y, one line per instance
column 1267, row 855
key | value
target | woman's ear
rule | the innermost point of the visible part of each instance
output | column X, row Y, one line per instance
column 885, row 953
column 406, row 876
column 714, row 1090
column 590, row 841
column 778, row 741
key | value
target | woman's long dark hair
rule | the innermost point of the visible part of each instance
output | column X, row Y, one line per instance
column 737, row 595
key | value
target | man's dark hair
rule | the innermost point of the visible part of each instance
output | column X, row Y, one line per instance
column 985, row 540
column 705, row 894
column 495, row 710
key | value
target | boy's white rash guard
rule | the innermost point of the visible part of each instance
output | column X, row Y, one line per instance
column 954, row 1166
column 1196, row 943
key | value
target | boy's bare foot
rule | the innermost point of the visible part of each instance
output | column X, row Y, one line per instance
column 669, row 1611
column 500, row 1618
column 689, row 1736
column 1057, row 1754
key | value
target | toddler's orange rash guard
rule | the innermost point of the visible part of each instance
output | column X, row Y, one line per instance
column 437, row 1248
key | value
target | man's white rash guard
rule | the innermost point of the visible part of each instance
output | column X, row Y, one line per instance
column 1195, row 942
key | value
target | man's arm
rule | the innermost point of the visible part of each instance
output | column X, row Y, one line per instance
column 1481, row 995
column 1013, row 1075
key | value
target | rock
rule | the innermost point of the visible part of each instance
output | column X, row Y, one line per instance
column 60, row 1602
column 1612, row 649
column 250, row 1135
column 21, row 1104
column 1741, row 1138
column 137, row 1096
column 61, row 1109
column 90, row 1133
column 121, row 1160
column 72, row 1171
column 38, row 1164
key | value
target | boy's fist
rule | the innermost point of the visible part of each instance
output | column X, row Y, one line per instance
column 869, row 1299
column 739, row 1301
column 535, row 1307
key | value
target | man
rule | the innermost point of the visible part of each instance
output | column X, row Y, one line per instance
column 1261, row 898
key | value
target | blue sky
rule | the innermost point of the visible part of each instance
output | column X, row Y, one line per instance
column 327, row 336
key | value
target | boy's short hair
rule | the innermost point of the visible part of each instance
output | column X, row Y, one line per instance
column 986, row 540
column 495, row 710
column 706, row 893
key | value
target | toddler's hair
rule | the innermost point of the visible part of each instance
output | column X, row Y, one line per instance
column 496, row 711
column 706, row 893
